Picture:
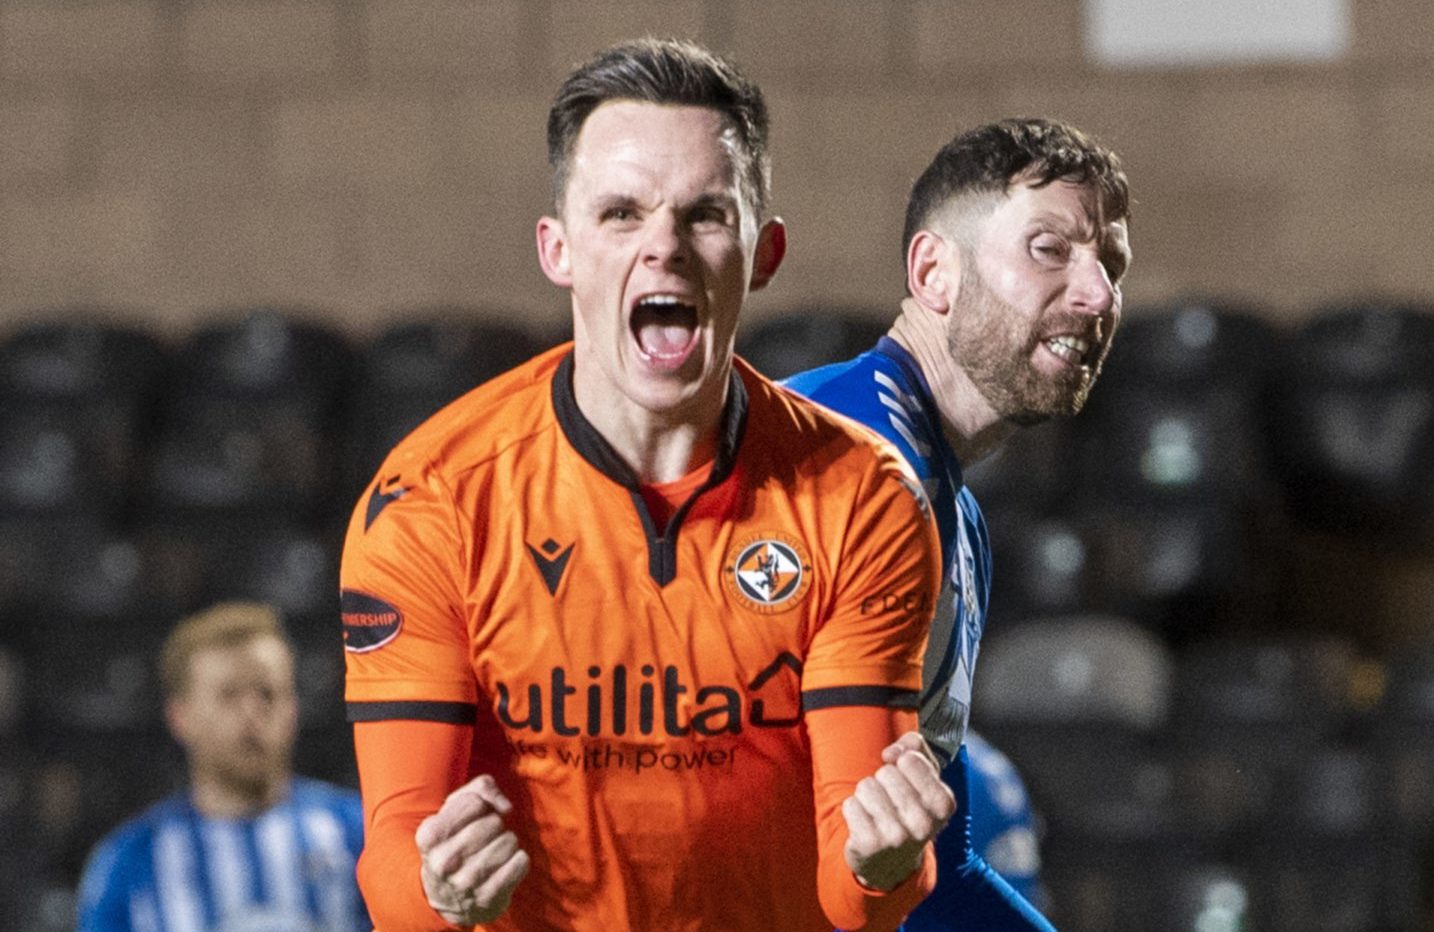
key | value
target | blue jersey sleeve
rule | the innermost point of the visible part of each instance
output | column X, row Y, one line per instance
column 106, row 882
column 884, row 390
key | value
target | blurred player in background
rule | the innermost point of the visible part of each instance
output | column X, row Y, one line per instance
column 1015, row 242
column 1004, row 832
column 634, row 636
column 249, row 846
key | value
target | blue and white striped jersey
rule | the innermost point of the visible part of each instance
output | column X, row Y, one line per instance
column 885, row 390
column 287, row 869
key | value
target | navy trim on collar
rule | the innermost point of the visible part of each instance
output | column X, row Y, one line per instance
column 593, row 447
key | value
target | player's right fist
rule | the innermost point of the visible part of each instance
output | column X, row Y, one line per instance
column 471, row 861
column 895, row 813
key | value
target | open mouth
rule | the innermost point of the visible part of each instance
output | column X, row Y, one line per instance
column 665, row 327
column 1071, row 350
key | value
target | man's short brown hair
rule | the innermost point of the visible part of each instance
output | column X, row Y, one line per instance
column 227, row 624
column 664, row 71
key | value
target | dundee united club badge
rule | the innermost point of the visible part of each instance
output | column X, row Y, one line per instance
column 768, row 572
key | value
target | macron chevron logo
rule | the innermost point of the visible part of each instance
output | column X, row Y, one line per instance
column 550, row 563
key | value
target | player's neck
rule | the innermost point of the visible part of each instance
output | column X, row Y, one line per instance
column 658, row 447
column 972, row 427
column 218, row 798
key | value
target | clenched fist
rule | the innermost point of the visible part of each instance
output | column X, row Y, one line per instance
column 895, row 812
column 471, row 861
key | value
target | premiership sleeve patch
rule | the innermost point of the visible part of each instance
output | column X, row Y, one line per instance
column 369, row 622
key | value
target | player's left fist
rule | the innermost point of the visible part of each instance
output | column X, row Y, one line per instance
column 895, row 812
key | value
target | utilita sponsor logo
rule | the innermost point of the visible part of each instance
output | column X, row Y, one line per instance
column 619, row 701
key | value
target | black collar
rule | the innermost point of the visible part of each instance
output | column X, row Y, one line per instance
column 594, row 448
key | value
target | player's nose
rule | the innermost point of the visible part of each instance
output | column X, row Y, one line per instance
column 664, row 241
column 1090, row 290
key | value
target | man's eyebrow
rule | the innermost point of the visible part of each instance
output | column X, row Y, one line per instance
column 614, row 199
column 1083, row 229
column 712, row 199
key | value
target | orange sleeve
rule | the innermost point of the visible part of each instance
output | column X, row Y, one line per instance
column 879, row 613
column 406, row 771
column 402, row 595
column 846, row 748
column 861, row 683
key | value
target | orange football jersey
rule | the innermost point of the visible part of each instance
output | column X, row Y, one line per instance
column 648, row 697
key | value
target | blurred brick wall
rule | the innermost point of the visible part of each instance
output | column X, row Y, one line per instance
column 174, row 158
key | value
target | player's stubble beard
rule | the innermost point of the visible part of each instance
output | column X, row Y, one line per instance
column 992, row 344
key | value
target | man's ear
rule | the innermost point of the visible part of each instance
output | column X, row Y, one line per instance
column 933, row 271
column 771, row 249
column 553, row 252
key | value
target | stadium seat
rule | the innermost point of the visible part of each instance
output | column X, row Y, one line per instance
column 76, row 356
column 1367, row 882
column 1152, row 885
column 786, row 343
column 14, row 697
column 22, row 871
column 1178, row 567
column 1298, row 685
column 1178, row 408
column 443, row 354
column 79, row 396
column 415, row 367
column 231, row 458
column 266, row 354
column 99, row 678
column 295, row 571
column 84, row 788
column 253, row 421
column 64, row 459
column 1043, row 563
column 1030, row 470
column 1077, row 703
column 287, row 565
column 1353, row 423
column 1401, row 731
column 1251, row 717
column 1077, row 668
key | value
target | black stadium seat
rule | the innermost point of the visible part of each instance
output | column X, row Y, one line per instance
column 1251, row 716
column 1178, row 407
column 252, row 422
column 1353, row 423
column 1179, row 567
column 78, row 356
column 1170, row 470
column 265, row 354
column 79, row 396
column 1043, row 563
column 227, row 456
column 415, row 367
column 1031, row 470
column 786, row 343
column 1077, row 703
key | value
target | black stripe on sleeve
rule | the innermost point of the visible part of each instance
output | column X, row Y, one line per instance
column 449, row 713
column 886, row 697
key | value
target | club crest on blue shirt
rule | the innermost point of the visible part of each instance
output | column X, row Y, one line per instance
column 768, row 572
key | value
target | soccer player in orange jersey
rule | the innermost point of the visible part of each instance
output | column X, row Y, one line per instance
column 634, row 635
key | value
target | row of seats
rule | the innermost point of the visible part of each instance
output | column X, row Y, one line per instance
column 1200, row 406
